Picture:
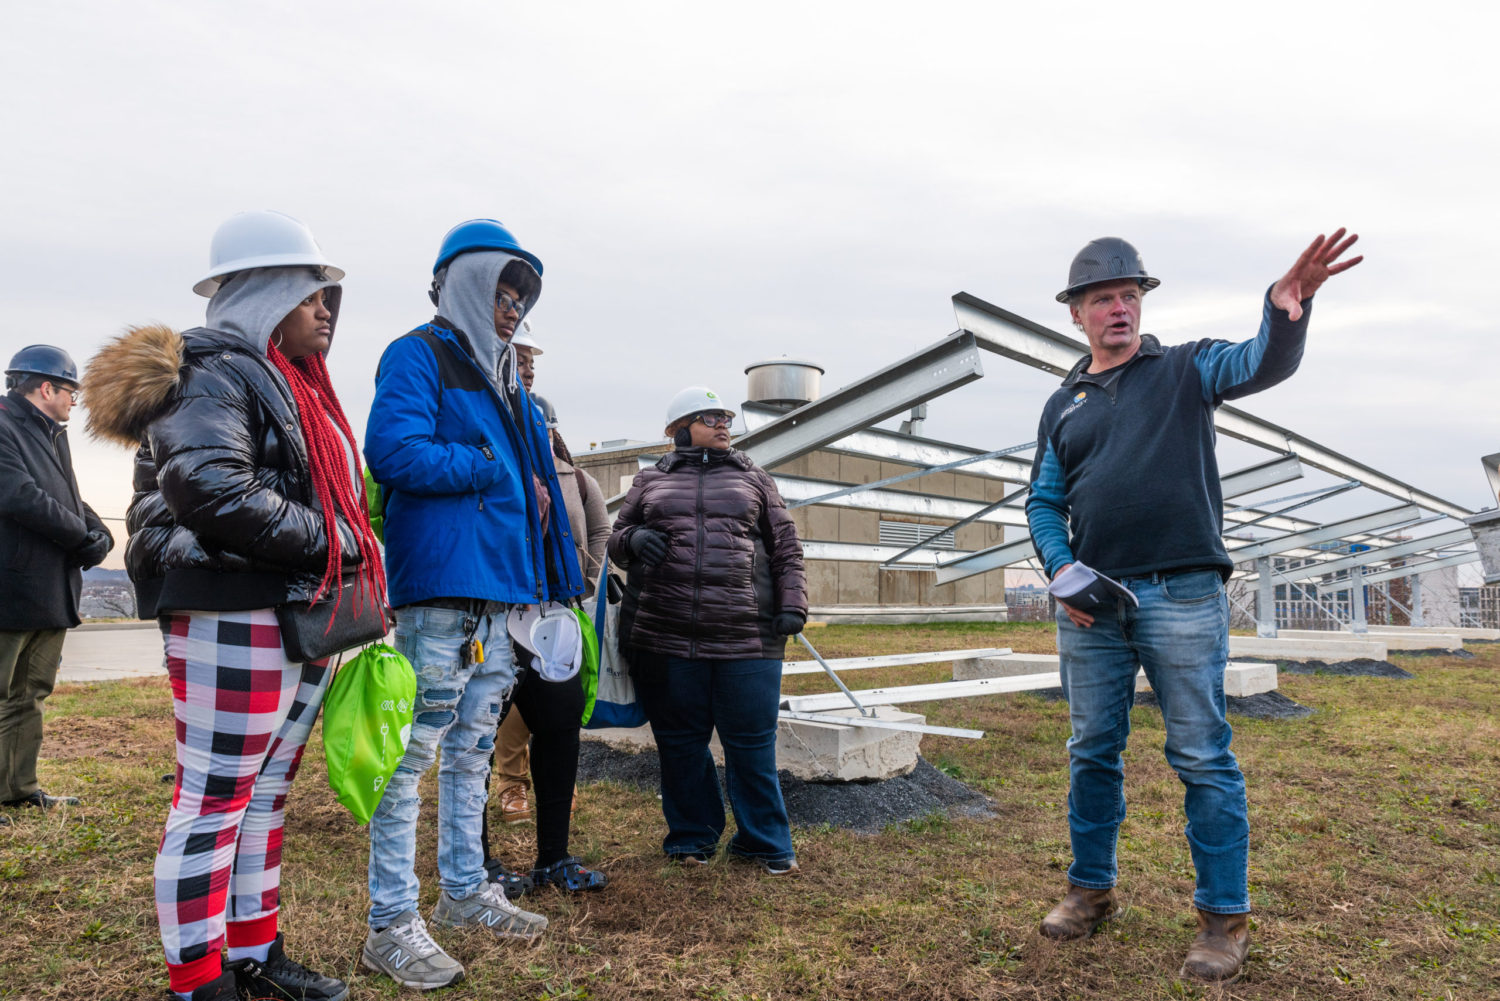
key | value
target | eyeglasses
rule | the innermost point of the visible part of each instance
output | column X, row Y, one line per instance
column 74, row 394
column 716, row 419
column 505, row 303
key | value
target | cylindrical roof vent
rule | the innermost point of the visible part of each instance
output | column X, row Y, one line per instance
column 784, row 382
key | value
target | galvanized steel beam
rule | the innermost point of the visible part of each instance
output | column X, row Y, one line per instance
column 1374, row 521
column 1407, row 570
column 1013, row 336
column 890, row 660
column 859, row 552
column 892, row 446
column 795, row 488
column 930, row 372
column 1272, row 472
column 1442, row 540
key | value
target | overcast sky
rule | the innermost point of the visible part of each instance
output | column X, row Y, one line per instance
column 709, row 188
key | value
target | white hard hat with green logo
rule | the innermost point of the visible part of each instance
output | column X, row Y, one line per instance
column 694, row 400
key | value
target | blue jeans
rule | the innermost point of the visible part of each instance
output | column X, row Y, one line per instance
column 457, row 710
column 1180, row 636
column 685, row 701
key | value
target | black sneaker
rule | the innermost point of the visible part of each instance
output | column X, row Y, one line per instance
column 41, row 801
column 220, row 989
column 283, row 979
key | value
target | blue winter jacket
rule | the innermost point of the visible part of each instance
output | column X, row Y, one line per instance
column 461, row 518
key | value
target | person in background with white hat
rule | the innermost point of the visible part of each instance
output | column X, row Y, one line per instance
column 715, row 586
column 49, row 536
column 247, row 497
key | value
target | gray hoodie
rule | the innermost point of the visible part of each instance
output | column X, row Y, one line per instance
column 466, row 298
column 251, row 303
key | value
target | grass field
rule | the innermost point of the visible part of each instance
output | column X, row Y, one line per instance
column 1374, row 865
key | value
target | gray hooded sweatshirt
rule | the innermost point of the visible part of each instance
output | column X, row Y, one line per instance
column 466, row 298
column 251, row 304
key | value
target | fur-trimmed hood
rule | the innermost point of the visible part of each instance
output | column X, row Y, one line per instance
column 126, row 383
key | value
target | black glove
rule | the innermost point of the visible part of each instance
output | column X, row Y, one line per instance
column 648, row 547
column 788, row 623
column 95, row 547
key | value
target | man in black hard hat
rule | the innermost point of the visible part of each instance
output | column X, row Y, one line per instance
column 1124, row 482
column 48, row 536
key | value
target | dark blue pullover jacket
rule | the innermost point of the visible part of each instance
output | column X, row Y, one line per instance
column 1124, row 477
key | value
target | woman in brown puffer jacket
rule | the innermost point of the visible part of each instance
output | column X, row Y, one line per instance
column 715, row 586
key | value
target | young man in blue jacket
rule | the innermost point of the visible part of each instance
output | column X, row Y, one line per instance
column 463, row 459
column 1125, row 480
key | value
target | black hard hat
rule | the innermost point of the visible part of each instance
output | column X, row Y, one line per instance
column 44, row 360
column 1106, row 259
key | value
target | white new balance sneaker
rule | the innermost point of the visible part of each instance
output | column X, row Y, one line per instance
column 408, row 955
column 488, row 908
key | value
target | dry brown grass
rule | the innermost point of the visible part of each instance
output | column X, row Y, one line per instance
column 1375, row 864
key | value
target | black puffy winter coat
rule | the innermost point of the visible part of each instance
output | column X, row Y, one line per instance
column 224, row 515
column 43, row 521
column 733, row 559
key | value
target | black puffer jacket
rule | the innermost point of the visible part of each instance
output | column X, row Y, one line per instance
column 733, row 559
column 224, row 515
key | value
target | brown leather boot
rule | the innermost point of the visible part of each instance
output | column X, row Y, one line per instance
column 1218, row 953
column 1079, row 913
column 513, row 806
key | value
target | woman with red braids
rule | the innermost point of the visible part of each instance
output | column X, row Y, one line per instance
column 248, row 495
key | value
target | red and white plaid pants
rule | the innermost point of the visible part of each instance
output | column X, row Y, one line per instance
column 244, row 713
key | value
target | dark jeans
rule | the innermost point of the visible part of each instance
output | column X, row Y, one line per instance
column 685, row 701
column 552, row 711
column 28, row 669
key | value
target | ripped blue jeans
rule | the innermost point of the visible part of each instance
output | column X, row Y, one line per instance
column 456, row 712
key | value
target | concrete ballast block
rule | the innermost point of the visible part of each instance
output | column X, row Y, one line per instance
column 815, row 751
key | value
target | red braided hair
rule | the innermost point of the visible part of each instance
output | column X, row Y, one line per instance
column 318, row 410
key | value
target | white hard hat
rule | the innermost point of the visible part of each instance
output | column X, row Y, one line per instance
column 525, row 338
column 552, row 633
column 692, row 400
column 261, row 239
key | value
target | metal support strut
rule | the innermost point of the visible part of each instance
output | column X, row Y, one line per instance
column 842, row 687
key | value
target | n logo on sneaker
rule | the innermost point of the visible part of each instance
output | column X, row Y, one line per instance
column 398, row 958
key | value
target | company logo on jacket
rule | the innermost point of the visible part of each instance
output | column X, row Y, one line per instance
column 1078, row 401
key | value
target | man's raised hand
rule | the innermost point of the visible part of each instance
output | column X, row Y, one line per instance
column 1319, row 262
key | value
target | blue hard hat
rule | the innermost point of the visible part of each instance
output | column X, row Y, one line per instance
column 44, row 360
column 481, row 234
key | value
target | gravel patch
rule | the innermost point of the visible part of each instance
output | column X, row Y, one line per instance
column 863, row 807
column 1361, row 667
column 1266, row 705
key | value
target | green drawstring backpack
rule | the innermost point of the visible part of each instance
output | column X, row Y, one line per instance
column 366, row 724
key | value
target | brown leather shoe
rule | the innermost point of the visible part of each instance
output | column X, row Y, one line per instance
column 1079, row 913
column 1218, row 953
column 513, row 806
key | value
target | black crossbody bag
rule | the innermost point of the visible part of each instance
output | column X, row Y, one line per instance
column 306, row 634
